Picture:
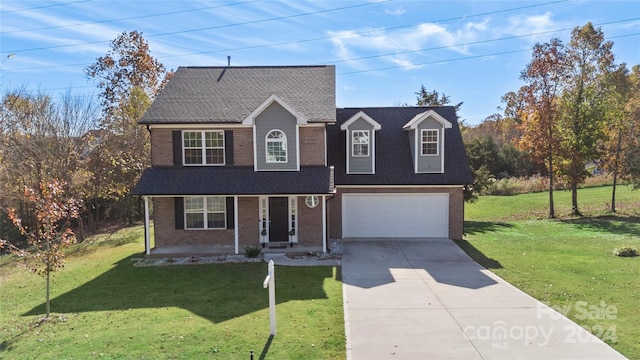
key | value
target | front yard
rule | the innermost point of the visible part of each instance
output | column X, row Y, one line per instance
column 104, row 307
column 567, row 263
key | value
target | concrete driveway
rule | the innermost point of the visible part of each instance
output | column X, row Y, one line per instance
column 426, row 299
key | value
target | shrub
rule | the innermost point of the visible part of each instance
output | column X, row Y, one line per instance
column 626, row 251
column 252, row 251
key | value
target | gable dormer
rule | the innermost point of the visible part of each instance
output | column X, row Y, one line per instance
column 360, row 143
column 276, row 135
column 426, row 137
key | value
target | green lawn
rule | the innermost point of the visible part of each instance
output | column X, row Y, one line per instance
column 106, row 308
column 567, row 263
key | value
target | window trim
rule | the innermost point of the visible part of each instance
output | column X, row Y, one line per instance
column 423, row 142
column 353, row 144
column 203, row 148
column 282, row 140
column 204, row 211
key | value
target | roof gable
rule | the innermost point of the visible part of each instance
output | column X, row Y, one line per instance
column 416, row 120
column 360, row 115
column 250, row 120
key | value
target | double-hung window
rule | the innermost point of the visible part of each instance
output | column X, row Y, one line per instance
column 205, row 212
column 429, row 142
column 203, row 147
column 359, row 143
column 276, row 147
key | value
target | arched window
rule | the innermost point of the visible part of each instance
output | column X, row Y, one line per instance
column 276, row 144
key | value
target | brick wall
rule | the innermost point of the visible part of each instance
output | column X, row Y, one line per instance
column 243, row 146
column 309, row 224
column 456, row 207
column 248, row 221
column 161, row 147
column 311, row 146
column 166, row 234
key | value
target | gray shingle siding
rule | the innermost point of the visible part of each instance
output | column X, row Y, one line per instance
column 229, row 94
column 430, row 163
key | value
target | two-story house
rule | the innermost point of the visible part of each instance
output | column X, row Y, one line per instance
column 247, row 155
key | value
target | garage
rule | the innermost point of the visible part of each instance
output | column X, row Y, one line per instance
column 395, row 215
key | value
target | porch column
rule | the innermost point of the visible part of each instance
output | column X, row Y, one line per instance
column 324, row 224
column 147, row 235
column 236, row 231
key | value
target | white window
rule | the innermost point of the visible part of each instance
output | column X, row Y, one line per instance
column 360, row 143
column 276, row 144
column 203, row 147
column 205, row 212
column 429, row 142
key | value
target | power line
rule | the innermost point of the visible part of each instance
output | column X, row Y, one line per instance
column 403, row 52
column 391, row 67
column 474, row 42
column 128, row 18
column 44, row 6
column 207, row 28
column 365, row 31
column 458, row 59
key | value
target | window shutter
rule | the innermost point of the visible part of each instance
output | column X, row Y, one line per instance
column 228, row 147
column 177, row 148
column 179, row 213
column 230, row 213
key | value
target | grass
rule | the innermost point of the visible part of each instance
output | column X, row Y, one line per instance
column 569, row 262
column 105, row 307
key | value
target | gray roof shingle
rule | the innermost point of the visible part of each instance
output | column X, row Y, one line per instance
column 210, row 180
column 229, row 94
column 394, row 165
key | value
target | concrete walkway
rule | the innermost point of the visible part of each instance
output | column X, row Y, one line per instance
column 426, row 299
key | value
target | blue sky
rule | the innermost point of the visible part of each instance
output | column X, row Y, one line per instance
column 472, row 51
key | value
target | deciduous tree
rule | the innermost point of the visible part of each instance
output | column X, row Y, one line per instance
column 129, row 78
column 50, row 234
column 583, row 105
column 544, row 77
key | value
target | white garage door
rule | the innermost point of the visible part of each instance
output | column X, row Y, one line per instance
column 395, row 215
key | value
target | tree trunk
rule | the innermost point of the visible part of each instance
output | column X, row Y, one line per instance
column 574, row 191
column 615, row 172
column 80, row 235
column 48, row 304
column 552, row 211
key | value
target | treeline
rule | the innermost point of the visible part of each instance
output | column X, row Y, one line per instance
column 93, row 147
column 577, row 110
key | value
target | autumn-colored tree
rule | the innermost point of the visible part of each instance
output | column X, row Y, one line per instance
column 583, row 104
column 544, row 77
column 50, row 234
column 42, row 139
column 619, row 126
column 129, row 79
column 631, row 168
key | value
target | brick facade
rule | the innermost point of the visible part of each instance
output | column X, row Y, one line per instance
column 456, row 206
column 166, row 234
column 312, row 146
column 309, row 224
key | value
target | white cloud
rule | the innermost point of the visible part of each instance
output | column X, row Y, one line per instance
column 395, row 11
column 404, row 47
column 523, row 25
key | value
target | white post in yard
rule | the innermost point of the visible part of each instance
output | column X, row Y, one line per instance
column 270, row 282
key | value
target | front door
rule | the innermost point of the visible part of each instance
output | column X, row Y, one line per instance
column 279, row 219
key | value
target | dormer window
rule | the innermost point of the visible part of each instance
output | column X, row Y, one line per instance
column 360, row 143
column 276, row 144
column 429, row 143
